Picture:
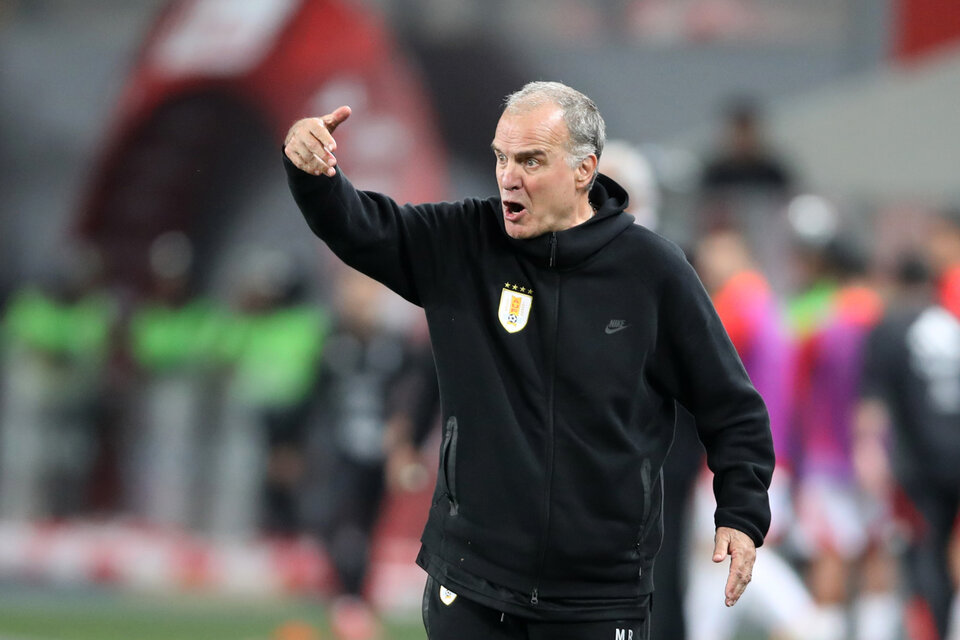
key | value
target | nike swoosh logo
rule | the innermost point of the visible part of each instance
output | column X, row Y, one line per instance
column 610, row 330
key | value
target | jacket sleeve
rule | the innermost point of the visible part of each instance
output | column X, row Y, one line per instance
column 393, row 244
column 705, row 374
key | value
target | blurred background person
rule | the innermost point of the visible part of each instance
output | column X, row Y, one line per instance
column 845, row 530
column 912, row 372
column 813, row 279
column 779, row 602
column 745, row 184
column 56, row 340
column 172, row 341
column 629, row 168
column 743, row 161
column 365, row 359
column 273, row 345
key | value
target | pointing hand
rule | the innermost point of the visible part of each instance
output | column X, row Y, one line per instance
column 310, row 144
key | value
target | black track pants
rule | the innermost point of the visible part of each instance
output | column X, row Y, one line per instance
column 461, row 619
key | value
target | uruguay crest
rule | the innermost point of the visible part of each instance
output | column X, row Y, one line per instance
column 515, row 304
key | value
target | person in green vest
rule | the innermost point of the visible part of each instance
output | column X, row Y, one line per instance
column 273, row 345
column 54, row 340
column 172, row 341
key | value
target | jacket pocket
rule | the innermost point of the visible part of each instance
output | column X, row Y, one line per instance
column 651, row 508
column 448, row 464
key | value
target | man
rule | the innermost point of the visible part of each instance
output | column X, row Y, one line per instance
column 564, row 335
column 363, row 369
column 911, row 381
column 743, row 161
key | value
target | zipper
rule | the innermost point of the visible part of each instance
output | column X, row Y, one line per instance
column 646, row 479
column 551, row 400
column 448, row 456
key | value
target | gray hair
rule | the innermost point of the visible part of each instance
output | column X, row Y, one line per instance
column 581, row 115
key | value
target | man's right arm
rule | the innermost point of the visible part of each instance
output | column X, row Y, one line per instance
column 396, row 245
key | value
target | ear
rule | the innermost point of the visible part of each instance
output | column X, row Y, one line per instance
column 584, row 172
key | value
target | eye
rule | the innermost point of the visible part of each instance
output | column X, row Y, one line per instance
column 501, row 159
column 532, row 162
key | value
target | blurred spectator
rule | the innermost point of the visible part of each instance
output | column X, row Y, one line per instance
column 745, row 185
column 813, row 281
column 172, row 340
column 743, row 161
column 630, row 169
column 777, row 599
column 912, row 371
column 414, row 416
column 274, row 344
column 56, row 340
column 362, row 365
column 843, row 527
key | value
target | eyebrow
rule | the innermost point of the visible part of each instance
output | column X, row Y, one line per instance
column 524, row 153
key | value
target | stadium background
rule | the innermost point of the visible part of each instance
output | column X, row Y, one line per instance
column 122, row 121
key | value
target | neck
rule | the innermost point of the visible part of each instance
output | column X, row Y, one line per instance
column 583, row 212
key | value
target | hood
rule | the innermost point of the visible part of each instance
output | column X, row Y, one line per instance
column 576, row 244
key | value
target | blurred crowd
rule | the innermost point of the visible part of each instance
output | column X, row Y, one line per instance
column 849, row 332
column 265, row 413
column 265, row 410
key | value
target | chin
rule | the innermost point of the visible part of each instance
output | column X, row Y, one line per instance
column 518, row 232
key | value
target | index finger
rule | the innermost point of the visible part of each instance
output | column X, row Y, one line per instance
column 741, row 572
column 323, row 136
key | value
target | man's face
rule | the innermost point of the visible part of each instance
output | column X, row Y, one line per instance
column 538, row 188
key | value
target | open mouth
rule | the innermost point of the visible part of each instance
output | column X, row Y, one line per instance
column 513, row 210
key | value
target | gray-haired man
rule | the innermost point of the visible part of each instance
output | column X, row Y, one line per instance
column 564, row 336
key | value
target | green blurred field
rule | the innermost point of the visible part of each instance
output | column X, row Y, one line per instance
column 31, row 613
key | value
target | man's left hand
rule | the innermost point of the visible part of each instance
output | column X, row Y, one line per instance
column 743, row 553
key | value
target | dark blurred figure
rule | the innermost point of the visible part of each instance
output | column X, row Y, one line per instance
column 743, row 161
column 745, row 185
column 912, row 379
column 55, row 349
column 173, row 343
column 273, row 345
column 363, row 366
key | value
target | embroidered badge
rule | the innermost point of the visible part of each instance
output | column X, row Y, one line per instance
column 446, row 596
column 515, row 304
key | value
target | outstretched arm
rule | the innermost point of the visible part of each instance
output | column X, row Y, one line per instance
column 409, row 248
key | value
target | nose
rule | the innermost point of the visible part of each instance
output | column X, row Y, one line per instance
column 509, row 177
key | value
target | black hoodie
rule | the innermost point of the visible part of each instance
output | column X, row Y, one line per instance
column 560, row 360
